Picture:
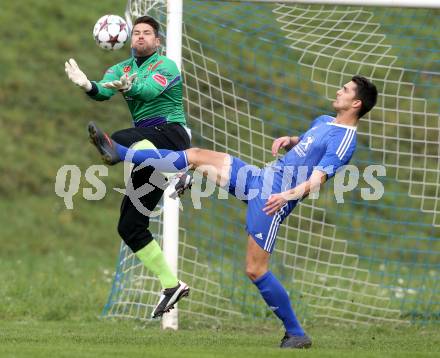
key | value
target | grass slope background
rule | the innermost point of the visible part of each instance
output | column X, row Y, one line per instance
column 57, row 264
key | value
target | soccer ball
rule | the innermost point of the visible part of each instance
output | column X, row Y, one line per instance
column 111, row 32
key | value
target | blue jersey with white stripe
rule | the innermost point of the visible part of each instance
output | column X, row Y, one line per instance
column 326, row 146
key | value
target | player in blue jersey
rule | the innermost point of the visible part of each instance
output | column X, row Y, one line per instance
column 272, row 192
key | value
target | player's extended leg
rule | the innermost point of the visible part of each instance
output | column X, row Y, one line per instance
column 275, row 295
column 213, row 164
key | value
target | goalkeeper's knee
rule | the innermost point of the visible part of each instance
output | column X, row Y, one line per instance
column 134, row 239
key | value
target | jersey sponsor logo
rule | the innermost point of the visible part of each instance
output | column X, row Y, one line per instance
column 303, row 147
column 299, row 151
column 259, row 236
column 109, row 71
column 160, row 79
column 164, row 72
column 305, row 143
column 127, row 69
column 273, row 308
column 155, row 66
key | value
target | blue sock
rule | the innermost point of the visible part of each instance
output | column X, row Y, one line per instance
column 278, row 301
column 164, row 160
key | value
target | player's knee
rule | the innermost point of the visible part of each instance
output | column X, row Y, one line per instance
column 135, row 241
column 193, row 155
column 253, row 272
column 193, row 150
column 134, row 236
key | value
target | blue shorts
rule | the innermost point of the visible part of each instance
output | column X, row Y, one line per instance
column 246, row 182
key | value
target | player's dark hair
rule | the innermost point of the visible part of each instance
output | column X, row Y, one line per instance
column 150, row 21
column 366, row 91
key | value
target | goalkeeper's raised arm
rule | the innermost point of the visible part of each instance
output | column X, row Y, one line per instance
column 151, row 86
column 77, row 76
column 95, row 90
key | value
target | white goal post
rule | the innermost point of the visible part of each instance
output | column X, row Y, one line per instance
column 171, row 206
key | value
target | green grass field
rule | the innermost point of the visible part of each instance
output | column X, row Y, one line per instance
column 53, row 290
column 125, row 339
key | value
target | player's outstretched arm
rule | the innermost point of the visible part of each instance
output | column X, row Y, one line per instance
column 284, row 142
column 77, row 76
column 276, row 201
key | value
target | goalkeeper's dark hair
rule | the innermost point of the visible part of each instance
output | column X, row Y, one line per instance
column 366, row 91
column 150, row 21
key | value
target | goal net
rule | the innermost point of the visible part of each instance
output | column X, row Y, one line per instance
column 255, row 71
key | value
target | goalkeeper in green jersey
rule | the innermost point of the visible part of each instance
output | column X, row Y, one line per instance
column 152, row 86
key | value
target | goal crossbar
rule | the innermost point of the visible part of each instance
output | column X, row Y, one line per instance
column 434, row 4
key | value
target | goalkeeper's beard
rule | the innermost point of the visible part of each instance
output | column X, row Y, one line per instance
column 143, row 50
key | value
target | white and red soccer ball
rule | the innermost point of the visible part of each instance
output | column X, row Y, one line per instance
column 111, row 32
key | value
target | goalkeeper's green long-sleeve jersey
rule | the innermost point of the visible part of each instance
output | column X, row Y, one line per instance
column 156, row 94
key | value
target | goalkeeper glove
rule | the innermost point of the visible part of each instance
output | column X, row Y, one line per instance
column 123, row 84
column 76, row 75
